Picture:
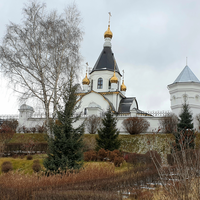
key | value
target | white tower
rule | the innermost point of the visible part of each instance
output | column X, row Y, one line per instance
column 186, row 86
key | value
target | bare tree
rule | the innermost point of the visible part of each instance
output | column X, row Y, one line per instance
column 135, row 125
column 180, row 177
column 93, row 122
column 38, row 54
column 197, row 117
column 169, row 123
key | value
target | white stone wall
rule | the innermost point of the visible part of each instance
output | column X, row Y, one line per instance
column 154, row 124
column 189, row 91
column 32, row 122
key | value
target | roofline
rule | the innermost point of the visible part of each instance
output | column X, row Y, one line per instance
column 92, row 91
column 105, row 70
column 182, row 83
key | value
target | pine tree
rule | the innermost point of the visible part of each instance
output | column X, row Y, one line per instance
column 65, row 145
column 185, row 118
column 185, row 135
column 108, row 133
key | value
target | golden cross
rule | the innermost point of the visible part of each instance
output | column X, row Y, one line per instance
column 86, row 67
column 109, row 17
column 114, row 65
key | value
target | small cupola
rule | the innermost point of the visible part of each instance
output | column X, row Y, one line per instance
column 86, row 81
column 123, row 87
column 114, row 79
column 108, row 33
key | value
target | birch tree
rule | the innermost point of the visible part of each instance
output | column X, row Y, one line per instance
column 38, row 54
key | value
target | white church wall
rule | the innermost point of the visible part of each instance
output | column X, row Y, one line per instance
column 153, row 121
column 106, row 75
column 93, row 97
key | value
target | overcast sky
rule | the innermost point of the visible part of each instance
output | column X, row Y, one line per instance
column 151, row 40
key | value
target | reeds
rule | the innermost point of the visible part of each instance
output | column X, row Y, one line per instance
column 92, row 182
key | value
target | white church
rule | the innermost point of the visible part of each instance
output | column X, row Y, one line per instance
column 103, row 87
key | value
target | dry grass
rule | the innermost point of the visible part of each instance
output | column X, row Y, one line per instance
column 23, row 166
column 20, row 186
column 21, row 137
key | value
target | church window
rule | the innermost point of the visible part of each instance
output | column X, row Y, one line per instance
column 109, row 84
column 85, row 111
column 100, row 83
column 91, row 84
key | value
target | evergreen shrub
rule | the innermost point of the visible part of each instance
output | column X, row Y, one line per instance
column 108, row 133
column 185, row 137
column 65, row 144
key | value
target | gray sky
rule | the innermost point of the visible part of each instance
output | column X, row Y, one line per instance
column 151, row 40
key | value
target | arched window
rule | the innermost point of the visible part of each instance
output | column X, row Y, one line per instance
column 109, row 84
column 100, row 83
column 91, row 84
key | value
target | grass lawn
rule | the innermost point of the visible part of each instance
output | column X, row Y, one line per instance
column 25, row 166
column 22, row 164
column 21, row 137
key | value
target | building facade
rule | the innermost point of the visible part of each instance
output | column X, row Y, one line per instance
column 104, row 88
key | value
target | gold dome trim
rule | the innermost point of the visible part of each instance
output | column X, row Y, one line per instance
column 114, row 79
column 86, row 81
column 123, row 87
column 108, row 33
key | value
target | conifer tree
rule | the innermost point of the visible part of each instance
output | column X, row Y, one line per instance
column 185, row 135
column 108, row 133
column 65, row 145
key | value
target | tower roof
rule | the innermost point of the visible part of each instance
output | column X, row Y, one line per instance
column 186, row 76
column 106, row 61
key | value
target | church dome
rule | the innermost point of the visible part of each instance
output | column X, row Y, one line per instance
column 108, row 33
column 86, row 81
column 26, row 107
column 123, row 87
column 114, row 79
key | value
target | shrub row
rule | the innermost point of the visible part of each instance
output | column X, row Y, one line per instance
column 104, row 155
column 146, row 159
column 191, row 157
column 19, row 147
column 35, row 129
